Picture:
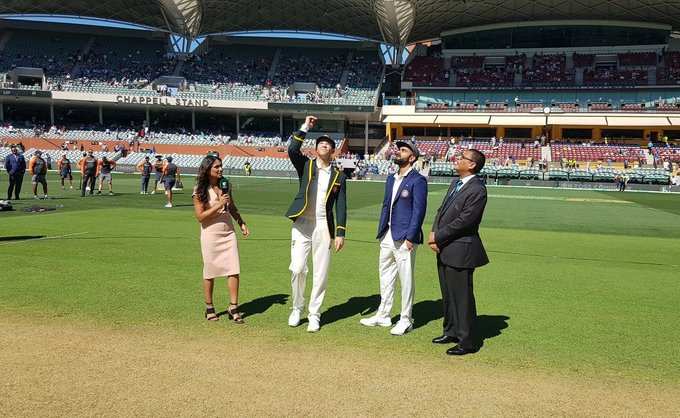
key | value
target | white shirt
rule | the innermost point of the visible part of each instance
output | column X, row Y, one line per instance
column 395, row 188
column 324, row 176
column 316, row 206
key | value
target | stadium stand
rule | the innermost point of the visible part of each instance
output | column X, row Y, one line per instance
column 548, row 71
column 498, row 77
column 323, row 67
column 54, row 52
column 230, row 65
column 617, row 153
column 108, row 65
column 427, row 71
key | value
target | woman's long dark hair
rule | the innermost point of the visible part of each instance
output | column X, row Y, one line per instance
column 203, row 178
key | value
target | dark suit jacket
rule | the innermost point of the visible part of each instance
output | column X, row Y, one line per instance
column 456, row 226
column 307, row 173
column 15, row 164
column 408, row 208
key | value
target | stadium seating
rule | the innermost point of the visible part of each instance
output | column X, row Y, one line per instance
column 258, row 140
column 669, row 73
column 617, row 153
column 74, row 156
column 124, row 62
column 583, row 60
column 508, row 150
column 323, row 67
column 614, row 78
column 229, row 162
column 667, row 153
column 56, row 53
column 637, row 59
column 437, row 149
column 120, row 65
column 468, row 62
column 233, row 64
column 364, row 71
column 426, row 71
column 548, row 71
column 498, row 77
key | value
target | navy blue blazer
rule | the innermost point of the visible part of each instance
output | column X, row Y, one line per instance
column 15, row 164
column 408, row 209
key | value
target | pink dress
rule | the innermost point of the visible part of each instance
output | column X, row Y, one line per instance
column 218, row 244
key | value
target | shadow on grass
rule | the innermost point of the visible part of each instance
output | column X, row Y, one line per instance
column 362, row 305
column 489, row 326
column 20, row 238
column 260, row 305
column 425, row 312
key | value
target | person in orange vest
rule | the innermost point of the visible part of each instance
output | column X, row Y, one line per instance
column 81, row 163
column 169, row 179
column 145, row 167
column 37, row 166
column 64, row 167
column 158, row 167
column 89, row 171
column 104, row 168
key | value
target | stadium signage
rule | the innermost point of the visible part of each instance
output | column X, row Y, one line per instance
column 163, row 101
column 25, row 93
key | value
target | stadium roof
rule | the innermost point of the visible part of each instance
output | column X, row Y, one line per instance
column 395, row 21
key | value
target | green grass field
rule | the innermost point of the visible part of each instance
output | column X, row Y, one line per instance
column 580, row 283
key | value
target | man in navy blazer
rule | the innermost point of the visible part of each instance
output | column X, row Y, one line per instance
column 15, row 164
column 400, row 232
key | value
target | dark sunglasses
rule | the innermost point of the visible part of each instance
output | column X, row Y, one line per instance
column 466, row 158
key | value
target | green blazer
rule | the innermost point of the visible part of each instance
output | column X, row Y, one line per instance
column 337, row 187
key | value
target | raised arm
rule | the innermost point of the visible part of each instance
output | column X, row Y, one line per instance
column 295, row 145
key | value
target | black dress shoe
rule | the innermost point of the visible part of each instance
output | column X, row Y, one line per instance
column 444, row 339
column 460, row 351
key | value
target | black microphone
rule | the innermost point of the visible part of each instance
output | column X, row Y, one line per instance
column 225, row 186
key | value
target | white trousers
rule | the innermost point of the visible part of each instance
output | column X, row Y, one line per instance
column 310, row 236
column 396, row 259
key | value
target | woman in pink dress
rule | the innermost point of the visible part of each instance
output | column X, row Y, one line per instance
column 214, row 209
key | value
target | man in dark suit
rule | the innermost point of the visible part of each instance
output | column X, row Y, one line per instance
column 15, row 164
column 322, row 188
column 400, row 233
column 455, row 239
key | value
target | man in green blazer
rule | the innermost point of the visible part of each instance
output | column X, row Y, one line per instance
column 322, row 187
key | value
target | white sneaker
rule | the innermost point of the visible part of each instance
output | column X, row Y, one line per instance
column 153, row 192
column 141, row 192
column 294, row 318
column 313, row 324
column 401, row 328
column 376, row 320
column 169, row 205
